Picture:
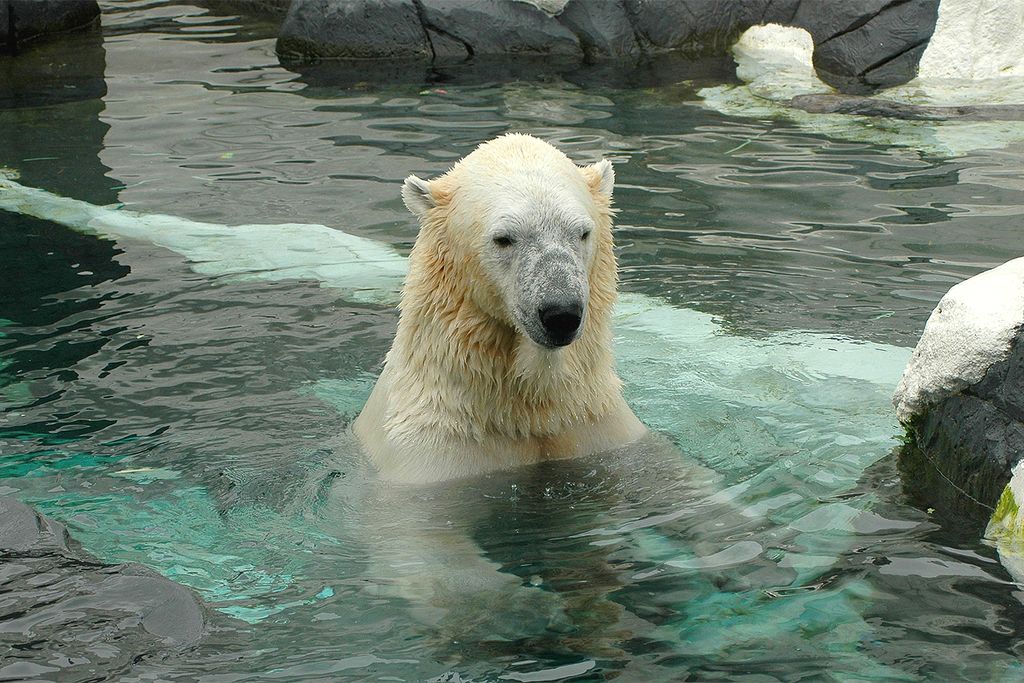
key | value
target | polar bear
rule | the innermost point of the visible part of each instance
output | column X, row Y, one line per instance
column 502, row 355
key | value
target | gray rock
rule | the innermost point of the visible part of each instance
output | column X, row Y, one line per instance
column 864, row 45
column 781, row 12
column 895, row 70
column 446, row 48
column 825, row 19
column 57, row 594
column 25, row 21
column 429, row 29
column 603, row 28
column 959, row 455
column 694, row 25
column 352, row 29
column 822, row 103
column 961, row 397
column 859, row 46
column 500, row 27
column 22, row 529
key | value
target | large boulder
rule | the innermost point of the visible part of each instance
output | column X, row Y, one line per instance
column 353, row 29
column 25, row 21
column 863, row 45
column 57, row 598
column 859, row 45
column 429, row 29
column 604, row 29
column 693, row 25
column 961, row 397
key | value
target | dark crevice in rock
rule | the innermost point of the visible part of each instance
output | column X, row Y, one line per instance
column 631, row 19
column 860, row 22
column 689, row 10
column 11, row 44
column 420, row 12
column 893, row 57
column 429, row 27
column 796, row 10
column 446, row 34
column 605, row 31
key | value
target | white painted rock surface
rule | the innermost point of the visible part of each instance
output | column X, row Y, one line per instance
column 976, row 39
column 971, row 329
column 1006, row 528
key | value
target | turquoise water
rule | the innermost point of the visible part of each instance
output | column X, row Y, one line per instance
column 180, row 400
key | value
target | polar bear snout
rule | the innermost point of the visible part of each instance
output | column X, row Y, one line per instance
column 551, row 294
column 561, row 321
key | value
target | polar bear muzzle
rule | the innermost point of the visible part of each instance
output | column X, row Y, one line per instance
column 561, row 320
column 550, row 290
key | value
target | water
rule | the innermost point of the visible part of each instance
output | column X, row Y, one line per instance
column 190, row 415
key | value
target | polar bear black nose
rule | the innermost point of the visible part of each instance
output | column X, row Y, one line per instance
column 560, row 321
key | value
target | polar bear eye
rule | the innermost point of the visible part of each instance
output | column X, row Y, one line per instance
column 584, row 236
column 504, row 241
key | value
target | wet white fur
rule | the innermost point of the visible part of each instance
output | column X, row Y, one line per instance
column 466, row 387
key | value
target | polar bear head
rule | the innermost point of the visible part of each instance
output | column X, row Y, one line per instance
column 517, row 231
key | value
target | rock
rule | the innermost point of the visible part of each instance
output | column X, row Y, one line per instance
column 500, row 27
column 55, row 593
column 447, row 48
column 22, row 529
column 823, row 103
column 25, row 21
column 352, row 29
column 604, row 29
column 1006, row 527
column 694, row 25
column 859, row 46
column 973, row 328
column 961, row 397
column 863, row 45
column 976, row 40
column 426, row 29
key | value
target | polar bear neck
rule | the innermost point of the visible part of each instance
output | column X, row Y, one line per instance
column 459, row 370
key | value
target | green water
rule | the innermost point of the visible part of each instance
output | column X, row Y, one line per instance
column 187, row 409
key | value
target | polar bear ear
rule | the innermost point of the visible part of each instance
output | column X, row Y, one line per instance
column 600, row 177
column 417, row 196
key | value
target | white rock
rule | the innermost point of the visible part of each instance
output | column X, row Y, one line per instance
column 775, row 62
column 976, row 56
column 1006, row 527
column 971, row 328
column 976, row 39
